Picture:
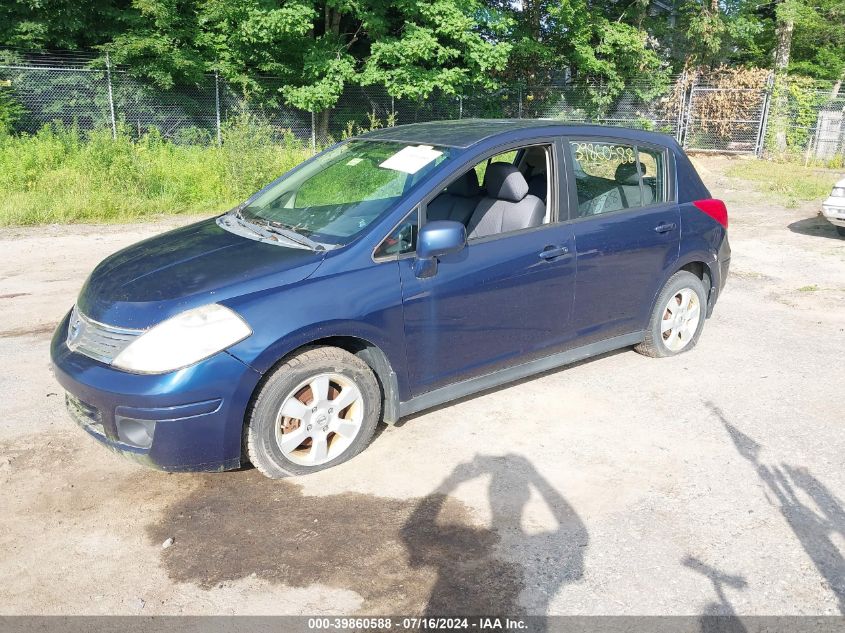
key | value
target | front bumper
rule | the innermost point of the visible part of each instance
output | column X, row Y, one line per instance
column 186, row 420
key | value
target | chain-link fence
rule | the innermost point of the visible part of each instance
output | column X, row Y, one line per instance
column 702, row 114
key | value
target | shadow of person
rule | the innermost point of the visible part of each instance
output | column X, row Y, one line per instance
column 477, row 572
column 813, row 526
column 718, row 617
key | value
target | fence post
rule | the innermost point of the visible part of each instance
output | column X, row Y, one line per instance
column 111, row 98
column 313, row 134
column 764, row 117
column 679, row 122
column 217, row 106
column 688, row 107
column 520, row 102
column 461, row 107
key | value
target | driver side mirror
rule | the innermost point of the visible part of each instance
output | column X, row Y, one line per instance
column 437, row 239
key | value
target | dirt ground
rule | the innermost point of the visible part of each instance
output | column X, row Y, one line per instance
column 712, row 482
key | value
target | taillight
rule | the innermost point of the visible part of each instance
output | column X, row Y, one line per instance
column 716, row 209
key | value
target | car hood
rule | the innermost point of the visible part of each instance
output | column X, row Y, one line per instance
column 198, row 264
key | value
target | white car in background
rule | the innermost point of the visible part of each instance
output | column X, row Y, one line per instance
column 834, row 207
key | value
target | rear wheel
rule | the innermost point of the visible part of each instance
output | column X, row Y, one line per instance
column 316, row 410
column 841, row 230
column 678, row 317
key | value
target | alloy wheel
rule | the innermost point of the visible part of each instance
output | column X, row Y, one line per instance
column 680, row 319
column 319, row 419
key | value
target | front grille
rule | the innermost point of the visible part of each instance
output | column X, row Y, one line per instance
column 84, row 414
column 97, row 340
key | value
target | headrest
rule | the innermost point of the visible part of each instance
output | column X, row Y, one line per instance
column 626, row 173
column 466, row 186
column 505, row 182
column 535, row 156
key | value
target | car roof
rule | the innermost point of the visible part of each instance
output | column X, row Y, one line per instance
column 464, row 133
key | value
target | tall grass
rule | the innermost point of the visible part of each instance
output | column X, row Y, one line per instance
column 62, row 175
column 789, row 183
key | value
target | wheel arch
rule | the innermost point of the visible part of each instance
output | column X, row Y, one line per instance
column 368, row 351
column 699, row 265
column 378, row 362
column 701, row 270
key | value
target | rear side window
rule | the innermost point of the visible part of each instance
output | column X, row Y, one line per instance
column 614, row 176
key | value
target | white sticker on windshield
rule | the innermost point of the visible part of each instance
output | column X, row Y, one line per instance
column 411, row 159
column 354, row 161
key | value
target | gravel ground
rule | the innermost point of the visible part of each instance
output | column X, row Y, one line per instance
column 712, row 482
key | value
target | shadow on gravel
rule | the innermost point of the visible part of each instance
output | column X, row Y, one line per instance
column 547, row 559
column 816, row 226
column 813, row 513
column 718, row 616
column 402, row 556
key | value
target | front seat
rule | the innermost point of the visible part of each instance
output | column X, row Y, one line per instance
column 508, row 206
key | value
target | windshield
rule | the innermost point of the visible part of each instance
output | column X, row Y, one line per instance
column 337, row 195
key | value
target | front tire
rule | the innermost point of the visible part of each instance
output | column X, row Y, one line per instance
column 316, row 410
column 677, row 318
column 841, row 230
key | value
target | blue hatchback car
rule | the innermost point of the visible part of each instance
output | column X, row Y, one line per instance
column 391, row 273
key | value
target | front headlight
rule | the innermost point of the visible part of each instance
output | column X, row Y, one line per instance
column 183, row 340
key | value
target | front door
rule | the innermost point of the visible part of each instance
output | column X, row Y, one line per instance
column 498, row 302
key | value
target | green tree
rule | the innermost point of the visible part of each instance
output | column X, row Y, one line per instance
column 597, row 43
column 61, row 24
column 319, row 48
column 162, row 42
column 818, row 42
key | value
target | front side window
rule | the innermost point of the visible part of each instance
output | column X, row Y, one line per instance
column 505, row 193
column 336, row 196
column 614, row 176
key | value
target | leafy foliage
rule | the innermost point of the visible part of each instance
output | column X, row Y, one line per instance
column 63, row 175
column 10, row 110
column 316, row 49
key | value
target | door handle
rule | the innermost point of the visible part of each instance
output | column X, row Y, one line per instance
column 553, row 252
column 665, row 227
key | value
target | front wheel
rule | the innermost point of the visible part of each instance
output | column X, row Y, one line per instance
column 841, row 230
column 678, row 317
column 316, row 410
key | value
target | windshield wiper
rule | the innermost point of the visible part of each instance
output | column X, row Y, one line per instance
column 252, row 228
column 273, row 231
column 280, row 229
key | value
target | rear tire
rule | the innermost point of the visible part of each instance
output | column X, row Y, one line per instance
column 677, row 318
column 316, row 410
column 841, row 230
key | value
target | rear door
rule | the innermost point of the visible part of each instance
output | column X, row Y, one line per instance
column 626, row 226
